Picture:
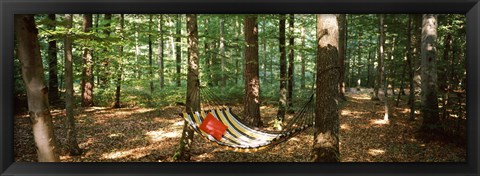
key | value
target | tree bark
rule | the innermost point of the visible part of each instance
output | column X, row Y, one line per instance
column 291, row 65
column 72, row 144
column 429, row 73
column 150, row 53
column 381, row 67
column 120, row 72
column 282, row 102
column 341, row 54
column 160, row 52
column 252, row 82
column 411, row 97
column 87, row 71
column 222, row 54
column 37, row 92
column 106, row 60
column 193, row 89
column 52, row 65
column 326, row 129
column 178, row 50
column 302, row 59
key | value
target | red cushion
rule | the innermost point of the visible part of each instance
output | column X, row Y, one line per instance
column 213, row 126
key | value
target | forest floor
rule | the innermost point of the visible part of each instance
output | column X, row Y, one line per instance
column 152, row 135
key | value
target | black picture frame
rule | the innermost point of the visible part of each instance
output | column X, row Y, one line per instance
column 10, row 7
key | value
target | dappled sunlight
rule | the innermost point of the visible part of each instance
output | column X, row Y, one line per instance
column 133, row 153
column 87, row 142
column 375, row 152
column 361, row 97
column 353, row 114
column 379, row 122
column 157, row 136
column 116, row 135
column 345, row 127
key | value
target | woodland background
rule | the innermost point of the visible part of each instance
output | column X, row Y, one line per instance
column 130, row 71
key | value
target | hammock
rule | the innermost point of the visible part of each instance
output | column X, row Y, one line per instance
column 241, row 137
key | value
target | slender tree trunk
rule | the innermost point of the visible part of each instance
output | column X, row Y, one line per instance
column 369, row 70
column 106, row 61
column 429, row 74
column 291, row 65
column 193, row 89
column 238, row 49
column 341, row 54
column 283, row 76
column 326, row 130
column 178, row 50
column 72, row 144
column 347, row 58
column 377, row 84
column 160, row 52
column 265, row 59
column 222, row 53
column 252, row 82
column 120, row 72
column 359, row 55
column 411, row 97
column 445, row 75
column 302, row 59
column 87, row 73
column 208, row 58
column 137, row 53
column 150, row 53
column 402, row 82
column 99, row 70
column 381, row 67
column 52, row 65
column 37, row 92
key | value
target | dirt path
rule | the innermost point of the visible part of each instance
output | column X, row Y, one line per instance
column 152, row 135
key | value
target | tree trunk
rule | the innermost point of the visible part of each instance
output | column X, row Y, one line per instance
column 283, row 76
column 52, row 65
column 429, row 73
column 193, row 89
column 302, row 59
column 265, row 59
column 106, row 61
column 178, row 50
column 381, row 67
column 87, row 71
column 72, row 144
column 208, row 59
column 150, row 53
column 326, row 129
column 37, row 92
column 238, row 49
column 291, row 66
column 369, row 69
column 341, row 54
column 411, row 97
column 402, row 82
column 160, row 52
column 222, row 53
column 120, row 72
column 359, row 56
column 252, row 82
column 136, row 70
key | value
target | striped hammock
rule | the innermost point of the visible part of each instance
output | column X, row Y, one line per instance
column 238, row 136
